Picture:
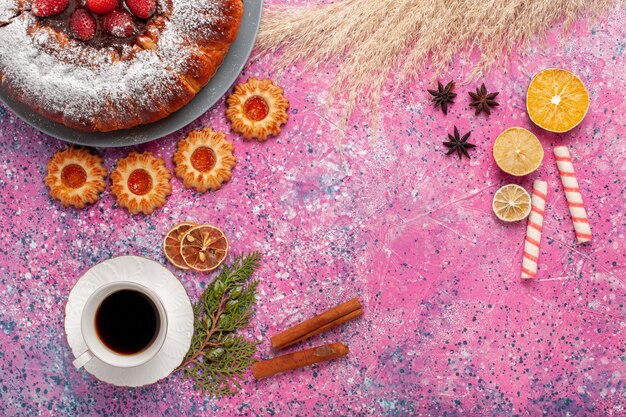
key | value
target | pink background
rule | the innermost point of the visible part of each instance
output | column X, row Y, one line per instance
column 449, row 328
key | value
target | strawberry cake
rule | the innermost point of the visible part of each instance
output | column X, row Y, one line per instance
column 103, row 65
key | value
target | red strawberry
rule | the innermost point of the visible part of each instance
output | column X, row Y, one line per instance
column 143, row 9
column 101, row 6
column 83, row 24
column 119, row 23
column 45, row 8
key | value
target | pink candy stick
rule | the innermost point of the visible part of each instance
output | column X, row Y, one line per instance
column 572, row 194
column 533, row 229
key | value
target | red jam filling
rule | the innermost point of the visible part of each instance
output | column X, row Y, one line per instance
column 256, row 108
column 73, row 176
column 139, row 182
column 203, row 159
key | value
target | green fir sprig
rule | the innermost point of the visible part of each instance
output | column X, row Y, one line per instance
column 218, row 356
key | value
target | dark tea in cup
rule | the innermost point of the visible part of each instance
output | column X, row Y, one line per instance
column 127, row 321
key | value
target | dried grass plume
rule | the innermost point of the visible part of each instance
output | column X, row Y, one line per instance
column 371, row 38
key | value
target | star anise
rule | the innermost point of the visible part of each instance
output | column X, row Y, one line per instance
column 459, row 143
column 443, row 95
column 483, row 101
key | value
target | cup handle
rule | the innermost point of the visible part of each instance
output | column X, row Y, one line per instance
column 83, row 359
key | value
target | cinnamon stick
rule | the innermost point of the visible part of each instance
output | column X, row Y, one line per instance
column 334, row 323
column 298, row 359
column 320, row 323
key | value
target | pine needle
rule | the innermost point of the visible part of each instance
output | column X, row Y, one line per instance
column 218, row 357
column 369, row 39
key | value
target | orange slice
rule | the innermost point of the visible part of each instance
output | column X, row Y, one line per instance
column 204, row 248
column 517, row 151
column 511, row 203
column 171, row 244
column 557, row 100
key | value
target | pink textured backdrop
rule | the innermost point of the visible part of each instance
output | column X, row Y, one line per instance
column 449, row 329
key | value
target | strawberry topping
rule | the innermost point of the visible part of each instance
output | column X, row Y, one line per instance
column 143, row 9
column 101, row 6
column 46, row 8
column 119, row 23
column 83, row 24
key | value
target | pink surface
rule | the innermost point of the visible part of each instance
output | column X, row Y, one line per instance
column 449, row 328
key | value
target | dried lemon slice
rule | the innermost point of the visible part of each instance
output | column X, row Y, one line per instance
column 557, row 100
column 171, row 244
column 511, row 203
column 517, row 151
column 204, row 248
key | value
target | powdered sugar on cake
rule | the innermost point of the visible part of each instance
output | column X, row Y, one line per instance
column 8, row 10
column 79, row 83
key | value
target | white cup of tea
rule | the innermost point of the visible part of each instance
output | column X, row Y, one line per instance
column 124, row 324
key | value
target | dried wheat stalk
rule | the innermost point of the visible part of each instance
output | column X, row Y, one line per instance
column 371, row 38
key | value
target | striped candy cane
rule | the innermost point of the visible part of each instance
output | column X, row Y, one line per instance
column 572, row 194
column 533, row 229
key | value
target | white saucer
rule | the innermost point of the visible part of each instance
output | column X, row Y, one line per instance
column 179, row 315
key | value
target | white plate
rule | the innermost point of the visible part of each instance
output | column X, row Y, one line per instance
column 177, row 305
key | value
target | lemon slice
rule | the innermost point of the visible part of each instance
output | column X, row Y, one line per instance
column 557, row 100
column 171, row 244
column 204, row 248
column 517, row 151
column 511, row 203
